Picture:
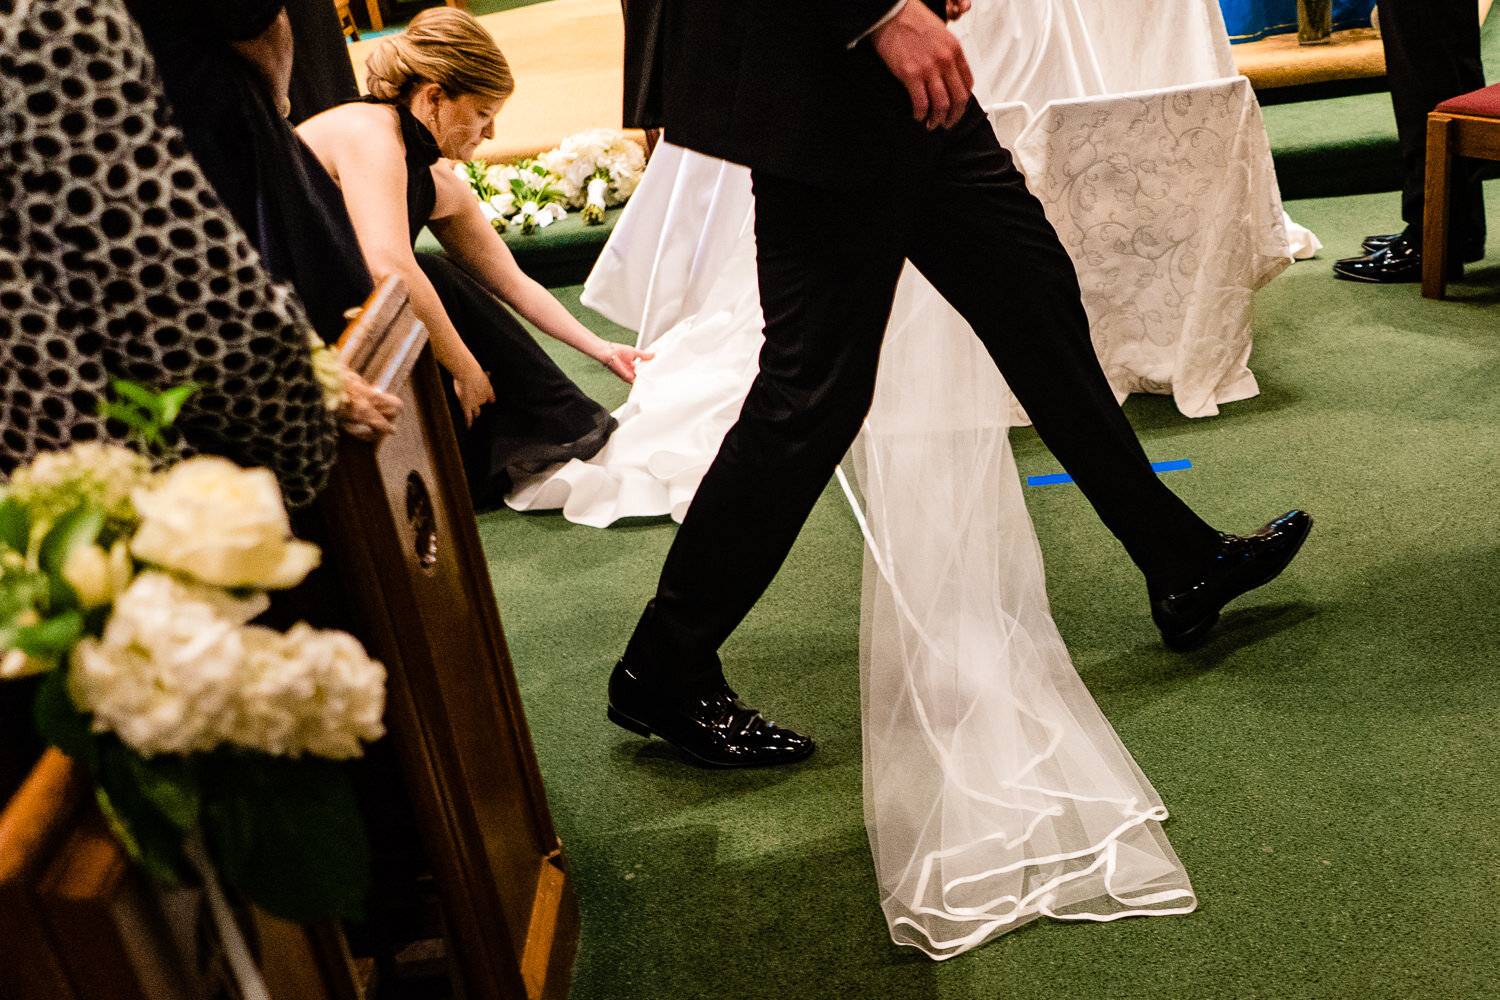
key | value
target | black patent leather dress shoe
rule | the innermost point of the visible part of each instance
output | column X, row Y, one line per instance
column 1398, row 262
column 1242, row 563
column 1473, row 251
column 714, row 728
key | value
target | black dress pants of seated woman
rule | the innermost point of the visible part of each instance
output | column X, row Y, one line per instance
column 539, row 417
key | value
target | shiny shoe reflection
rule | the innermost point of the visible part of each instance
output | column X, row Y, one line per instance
column 1242, row 564
column 1397, row 262
column 1473, row 250
column 714, row 728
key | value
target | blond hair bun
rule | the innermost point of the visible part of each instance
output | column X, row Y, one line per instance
column 442, row 45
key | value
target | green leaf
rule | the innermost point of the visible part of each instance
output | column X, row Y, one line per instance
column 170, row 784
column 15, row 525
column 60, row 723
column 19, row 591
column 152, row 838
column 286, row 834
column 61, row 596
column 79, row 526
column 131, row 392
column 51, row 638
column 170, row 401
column 126, row 413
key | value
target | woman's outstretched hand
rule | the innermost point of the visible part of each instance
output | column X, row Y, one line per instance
column 622, row 359
column 473, row 389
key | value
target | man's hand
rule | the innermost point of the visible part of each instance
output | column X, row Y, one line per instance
column 923, row 55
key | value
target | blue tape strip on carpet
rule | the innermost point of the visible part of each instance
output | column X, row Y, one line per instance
column 1063, row 477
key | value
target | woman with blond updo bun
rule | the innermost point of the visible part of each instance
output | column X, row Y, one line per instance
column 434, row 91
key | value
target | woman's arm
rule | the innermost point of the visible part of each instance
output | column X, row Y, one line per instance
column 464, row 233
column 360, row 145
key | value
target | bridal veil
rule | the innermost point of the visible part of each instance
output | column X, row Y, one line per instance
column 995, row 791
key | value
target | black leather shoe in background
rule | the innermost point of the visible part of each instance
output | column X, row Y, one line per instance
column 1241, row 564
column 1474, row 251
column 716, row 728
column 1398, row 262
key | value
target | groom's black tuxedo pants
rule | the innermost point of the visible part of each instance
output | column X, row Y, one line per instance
column 828, row 267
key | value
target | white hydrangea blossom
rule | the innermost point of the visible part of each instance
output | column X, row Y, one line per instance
column 178, row 671
column 308, row 691
column 54, row 481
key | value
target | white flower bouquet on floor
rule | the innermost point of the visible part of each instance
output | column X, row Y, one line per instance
column 127, row 592
column 599, row 154
column 590, row 171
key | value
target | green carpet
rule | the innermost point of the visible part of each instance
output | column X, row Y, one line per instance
column 1329, row 758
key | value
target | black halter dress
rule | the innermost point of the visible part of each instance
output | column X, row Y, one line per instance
column 539, row 417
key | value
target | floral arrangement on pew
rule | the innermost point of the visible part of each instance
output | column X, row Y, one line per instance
column 590, row 171
column 127, row 588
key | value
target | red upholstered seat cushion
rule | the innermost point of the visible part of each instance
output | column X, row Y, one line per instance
column 1483, row 103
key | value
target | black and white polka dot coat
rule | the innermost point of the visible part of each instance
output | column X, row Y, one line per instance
column 116, row 259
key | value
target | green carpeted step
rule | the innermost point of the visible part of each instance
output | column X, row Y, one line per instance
column 1346, row 145
column 561, row 254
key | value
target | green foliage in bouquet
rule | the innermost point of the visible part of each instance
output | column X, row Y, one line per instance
column 148, row 414
column 536, row 183
column 475, row 173
column 129, row 590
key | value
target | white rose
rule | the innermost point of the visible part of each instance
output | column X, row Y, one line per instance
column 221, row 524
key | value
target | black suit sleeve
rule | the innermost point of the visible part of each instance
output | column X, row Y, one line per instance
column 645, row 28
column 242, row 20
column 849, row 19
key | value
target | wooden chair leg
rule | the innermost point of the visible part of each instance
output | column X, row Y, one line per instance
column 373, row 8
column 1440, row 129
